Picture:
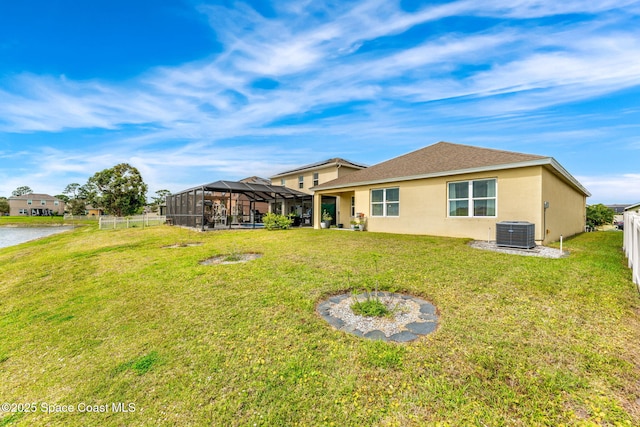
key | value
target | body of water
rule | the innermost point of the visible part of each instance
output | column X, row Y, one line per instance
column 10, row 236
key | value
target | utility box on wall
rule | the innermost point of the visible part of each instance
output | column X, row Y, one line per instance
column 515, row 234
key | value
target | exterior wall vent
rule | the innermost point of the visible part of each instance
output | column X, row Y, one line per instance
column 515, row 234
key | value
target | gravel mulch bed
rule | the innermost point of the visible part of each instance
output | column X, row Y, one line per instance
column 412, row 317
column 231, row 258
column 183, row 245
column 539, row 251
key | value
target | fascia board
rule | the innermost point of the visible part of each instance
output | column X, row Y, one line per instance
column 557, row 166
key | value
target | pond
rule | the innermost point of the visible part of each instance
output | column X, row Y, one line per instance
column 10, row 236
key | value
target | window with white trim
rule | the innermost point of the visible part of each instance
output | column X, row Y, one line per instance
column 353, row 205
column 385, row 202
column 283, row 182
column 475, row 198
column 301, row 181
column 315, row 179
column 43, row 202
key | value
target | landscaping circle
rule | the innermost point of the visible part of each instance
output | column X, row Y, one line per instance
column 183, row 245
column 411, row 317
column 231, row 258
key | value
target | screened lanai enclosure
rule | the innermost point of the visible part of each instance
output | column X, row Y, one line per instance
column 233, row 204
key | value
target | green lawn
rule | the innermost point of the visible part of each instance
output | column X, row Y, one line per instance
column 94, row 318
column 30, row 221
column 40, row 221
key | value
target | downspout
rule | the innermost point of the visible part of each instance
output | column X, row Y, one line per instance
column 544, row 222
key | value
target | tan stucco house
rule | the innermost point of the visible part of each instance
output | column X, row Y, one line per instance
column 304, row 178
column 457, row 190
column 35, row 205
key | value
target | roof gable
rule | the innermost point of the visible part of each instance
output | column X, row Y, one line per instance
column 318, row 165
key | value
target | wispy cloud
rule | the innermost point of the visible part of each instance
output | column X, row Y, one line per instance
column 610, row 189
column 322, row 58
column 322, row 68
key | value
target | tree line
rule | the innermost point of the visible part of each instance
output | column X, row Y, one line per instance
column 118, row 191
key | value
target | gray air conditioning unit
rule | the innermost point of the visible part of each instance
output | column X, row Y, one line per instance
column 515, row 234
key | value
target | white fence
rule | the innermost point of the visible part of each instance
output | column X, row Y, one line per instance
column 113, row 222
column 632, row 244
column 69, row 217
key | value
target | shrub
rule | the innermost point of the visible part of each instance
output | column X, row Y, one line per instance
column 274, row 221
column 371, row 307
column 599, row 215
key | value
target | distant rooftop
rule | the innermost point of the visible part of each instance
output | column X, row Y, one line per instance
column 34, row 196
column 256, row 180
column 617, row 208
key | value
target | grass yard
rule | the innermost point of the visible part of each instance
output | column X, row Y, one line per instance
column 30, row 221
column 100, row 322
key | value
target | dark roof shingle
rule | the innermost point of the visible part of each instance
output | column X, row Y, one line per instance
column 439, row 158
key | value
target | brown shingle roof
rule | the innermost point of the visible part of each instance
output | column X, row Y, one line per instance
column 437, row 159
column 37, row 196
column 256, row 180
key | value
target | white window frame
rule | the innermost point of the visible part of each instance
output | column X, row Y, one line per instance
column 301, row 181
column 471, row 200
column 316, row 179
column 283, row 182
column 353, row 206
column 385, row 202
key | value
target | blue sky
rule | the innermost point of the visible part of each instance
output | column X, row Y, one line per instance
column 191, row 91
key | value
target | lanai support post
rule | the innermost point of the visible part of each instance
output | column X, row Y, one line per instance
column 202, row 207
column 230, row 210
column 252, row 210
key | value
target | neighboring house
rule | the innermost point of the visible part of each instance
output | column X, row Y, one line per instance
column 93, row 211
column 457, row 190
column 618, row 212
column 306, row 177
column 617, row 209
column 35, row 205
column 633, row 208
